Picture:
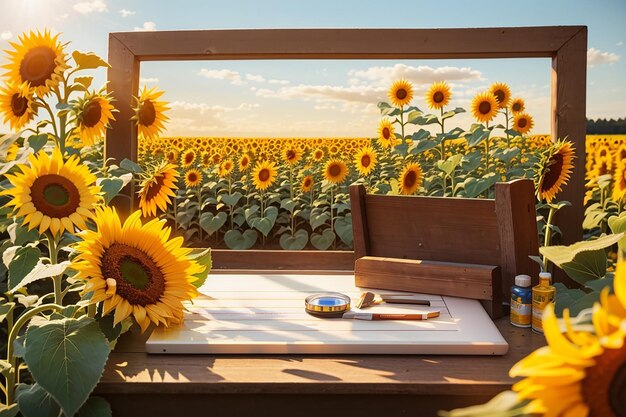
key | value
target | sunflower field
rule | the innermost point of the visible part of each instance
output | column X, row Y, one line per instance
column 292, row 193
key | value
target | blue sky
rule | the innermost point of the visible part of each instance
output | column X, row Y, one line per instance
column 330, row 98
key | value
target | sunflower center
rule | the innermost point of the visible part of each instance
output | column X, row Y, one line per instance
column 192, row 177
column 386, row 133
column 522, row 123
column 307, row 182
column 138, row 278
column 517, row 107
column 438, row 97
column 38, row 65
column 334, row 170
column 366, row 161
column 604, row 386
column 147, row 113
column 189, row 157
column 318, row 155
column 410, row 178
column 484, row 107
column 499, row 95
column 92, row 114
column 291, row 154
column 55, row 196
column 19, row 105
column 551, row 177
column 154, row 187
column 244, row 161
column 401, row 93
column 264, row 174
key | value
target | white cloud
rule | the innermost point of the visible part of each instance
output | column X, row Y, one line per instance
column 256, row 78
column 282, row 82
column 86, row 7
column 147, row 27
column 6, row 35
column 224, row 74
column 216, row 109
column 620, row 43
column 597, row 57
column 422, row 74
column 126, row 13
column 149, row 80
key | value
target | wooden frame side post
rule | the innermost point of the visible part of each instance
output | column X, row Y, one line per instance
column 517, row 227
column 359, row 221
column 121, row 141
column 569, row 120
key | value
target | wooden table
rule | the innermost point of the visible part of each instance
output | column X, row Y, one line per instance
column 137, row 384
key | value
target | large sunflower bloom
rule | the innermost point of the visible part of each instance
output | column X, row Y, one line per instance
column 386, row 134
column 193, row 178
column 438, row 95
column 93, row 113
column 39, row 60
column 581, row 374
column 292, row 155
column 17, row 105
column 502, row 92
column 53, row 195
column 150, row 113
column 485, row 107
column 523, row 123
column 517, row 105
column 225, row 168
column 135, row 269
column 365, row 160
column 401, row 93
column 157, row 189
column 410, row 179
column 554, row 170
column 264, row 174
column 335, row 171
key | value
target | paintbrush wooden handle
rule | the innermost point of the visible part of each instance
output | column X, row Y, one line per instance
column 423, row 316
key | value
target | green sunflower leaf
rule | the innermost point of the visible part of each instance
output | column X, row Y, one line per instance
column 25, row 259
column 202, row 257
column 95, row 407
column 34, row 401
column 66, row 358
column 36, row 142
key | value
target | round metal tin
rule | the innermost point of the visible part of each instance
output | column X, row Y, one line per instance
column 328, row 304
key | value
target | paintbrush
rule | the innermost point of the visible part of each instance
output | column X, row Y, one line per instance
column 377, row 316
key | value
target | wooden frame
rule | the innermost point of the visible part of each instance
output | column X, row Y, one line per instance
column 397, row 238
column 565, row 45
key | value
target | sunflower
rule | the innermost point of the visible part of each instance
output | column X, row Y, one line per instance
column 318, row 154
column 484, row 107
column 17, row 104
column 523, row 123
column 52, row 194
column 226, row 167
column 217, row 158
column 554, row 170
column 502, row 92
column 438, row 95
column 188, row 158
column 93, row 113
column 517, row 105
column 264, row 174
column 244, row 163
column 149, row 113
column 333, row 149
column 619, row 182
column 292, row 155
column 365, row 160
column 172, row 156
column 400, row 93
column 386, row 134
column 157, row 188
column 205, row 159
column 307, row 184
column 136, row 269
column 410, row 179
column 12, row 152
column 580, row 373
column 193, row 178
column 335, row 171
column 38, row 60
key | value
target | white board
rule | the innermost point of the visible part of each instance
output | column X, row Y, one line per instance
column 264, row 314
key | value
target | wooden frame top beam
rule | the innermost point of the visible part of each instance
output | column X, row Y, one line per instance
column 347, row 43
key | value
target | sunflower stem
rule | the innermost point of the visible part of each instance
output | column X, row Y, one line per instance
column 54, row 259
column 402, row 122
column 13, row 333
column 332, row 218
column 548, row 233
column 199, row 197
